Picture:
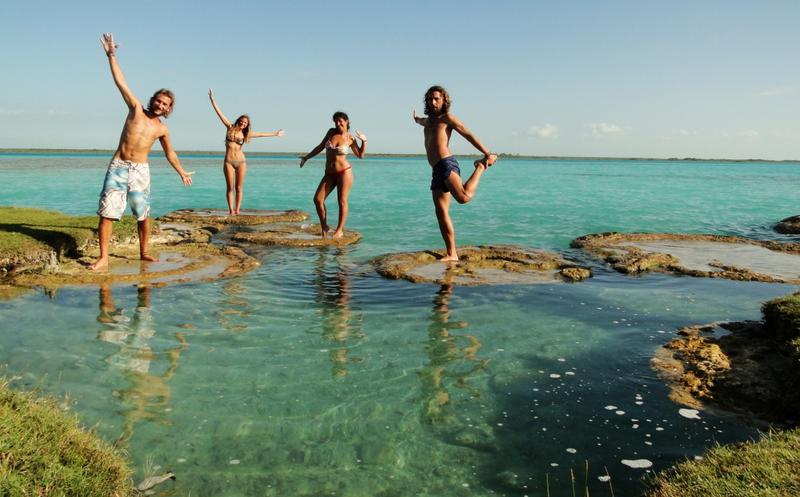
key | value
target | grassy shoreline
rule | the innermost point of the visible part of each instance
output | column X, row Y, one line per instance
column 45, row 452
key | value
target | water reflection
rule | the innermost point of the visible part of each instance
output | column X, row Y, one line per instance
column 340, row 326
column 148, row 396
column 452, row 360
column 233, row 310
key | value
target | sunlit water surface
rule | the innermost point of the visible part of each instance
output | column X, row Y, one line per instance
column 313, row 375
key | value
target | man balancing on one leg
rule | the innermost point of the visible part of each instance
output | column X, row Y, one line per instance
column 439, row 125
column 128, row 176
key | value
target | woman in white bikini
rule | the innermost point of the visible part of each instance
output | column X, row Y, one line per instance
column 338, row 172
column 235, row 165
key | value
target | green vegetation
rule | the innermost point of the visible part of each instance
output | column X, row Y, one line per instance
column 782, row 317
column 32, row 234
column 44, row 452
column 769, row 467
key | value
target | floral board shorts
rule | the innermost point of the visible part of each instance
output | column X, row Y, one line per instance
column 125, row 182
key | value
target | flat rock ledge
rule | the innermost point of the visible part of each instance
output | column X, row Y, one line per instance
column 175, row 264
column 183, row 251
column 219, row 217
column 292, row 235
column 749, row 368
column 709, row 256
column 789, row 226
column 481, row 265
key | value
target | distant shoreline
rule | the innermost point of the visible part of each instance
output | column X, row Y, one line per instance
column 190, row 153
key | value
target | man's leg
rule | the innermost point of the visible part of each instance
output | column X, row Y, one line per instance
column 464, row 193
column 104, row 235
column 441, row 202
column 143, row 227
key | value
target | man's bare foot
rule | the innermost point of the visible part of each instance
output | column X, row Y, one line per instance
column 338, row 234
column 449, row 258
column 147, row 258
column 481, row 162
column 99, row 264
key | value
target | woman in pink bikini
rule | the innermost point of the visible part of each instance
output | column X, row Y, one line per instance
column 235, row 165
column 338, row 172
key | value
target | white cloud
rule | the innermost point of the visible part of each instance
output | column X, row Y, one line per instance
column 775, row 92
column 687, row 132
column 749, row 133
column 599, row 129
column 546, row 132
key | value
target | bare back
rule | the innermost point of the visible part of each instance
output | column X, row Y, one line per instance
column 140, row 132
column 437, row 138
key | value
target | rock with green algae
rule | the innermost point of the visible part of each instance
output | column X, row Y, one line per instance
column 481, row 265
column 48, row 249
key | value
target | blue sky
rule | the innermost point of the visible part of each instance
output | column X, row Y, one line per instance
column 710, row 79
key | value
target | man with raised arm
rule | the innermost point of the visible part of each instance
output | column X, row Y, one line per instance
column 439, row 125
column 128, row 175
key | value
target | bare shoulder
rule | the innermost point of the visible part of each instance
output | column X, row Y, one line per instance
column 450, row 120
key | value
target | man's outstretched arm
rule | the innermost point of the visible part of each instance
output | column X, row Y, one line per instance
column 462, row 130
column 173, row 160
column 110, row 46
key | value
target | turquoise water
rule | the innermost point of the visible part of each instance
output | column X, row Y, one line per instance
column 313, row 375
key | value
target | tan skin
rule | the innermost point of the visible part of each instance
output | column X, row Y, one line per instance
column 338, row 174
column 141, row 130
column 438, row 127
column 234, row 166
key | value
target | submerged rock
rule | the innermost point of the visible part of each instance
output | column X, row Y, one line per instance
column 789, row 226
column 293, row 235
column 710, row 256
column 481, row 265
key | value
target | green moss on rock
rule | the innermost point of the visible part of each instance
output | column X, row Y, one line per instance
column 782, row 316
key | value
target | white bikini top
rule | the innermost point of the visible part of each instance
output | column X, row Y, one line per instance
column 340, row 150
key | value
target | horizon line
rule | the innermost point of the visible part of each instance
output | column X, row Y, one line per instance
column 398, row 154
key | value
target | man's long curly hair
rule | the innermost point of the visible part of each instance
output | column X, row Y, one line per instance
column 445, row 96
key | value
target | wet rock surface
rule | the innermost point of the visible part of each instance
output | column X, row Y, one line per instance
column 789, row 226
column 481, row 265
column 292, row 235
column 710, row 256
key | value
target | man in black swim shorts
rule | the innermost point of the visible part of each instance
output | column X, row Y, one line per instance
column 446, row 180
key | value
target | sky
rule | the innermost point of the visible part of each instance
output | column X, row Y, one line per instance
column 707, row 79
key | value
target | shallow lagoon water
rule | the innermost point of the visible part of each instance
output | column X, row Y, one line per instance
column 313, row 375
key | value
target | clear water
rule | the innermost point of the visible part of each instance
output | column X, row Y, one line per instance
column 312, row 375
